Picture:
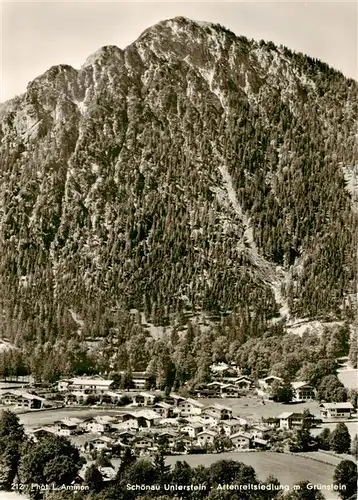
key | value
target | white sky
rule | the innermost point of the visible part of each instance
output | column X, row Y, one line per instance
column 38, row 35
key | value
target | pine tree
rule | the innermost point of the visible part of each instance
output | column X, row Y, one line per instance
column 340, row 441
column 354, row 447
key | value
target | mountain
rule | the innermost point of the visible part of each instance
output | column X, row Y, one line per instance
column 194, row 174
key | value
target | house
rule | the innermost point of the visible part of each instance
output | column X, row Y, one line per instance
column 332, row 411
column 42, row 432
column 143, row 442
column 223, row 369
column 259, row 431
column 111, row 397
column 94, row 385
column 210, row 417
column 169, row 438
column 137, row 400
column 191, row 430
column 78, row 397
column 241, row 440
column 126, row 437
column 259, row 443
column 272, row 422
column 149, row 398
column 183, row 443
column 163, row 409
column 229, row 391
column 99, row 443
column 215, row 385
column 231, row 426
column 95, row 426
column 129, row 423
column 63, row 384
column 206, row 393
column 68, row 426
column 146, row 418
column 175, row 400
column 292, row 420
column 140, row 380
column 206, row 437
column 265, row 384
column 303, row 391
column 144, row 398
column 189, row 407
column 243, row 383
column 22, row 399
column 223, row 412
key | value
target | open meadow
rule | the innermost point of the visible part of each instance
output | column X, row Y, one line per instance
column 289, row 469
column 253, row 407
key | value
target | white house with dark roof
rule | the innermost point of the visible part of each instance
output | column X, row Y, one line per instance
column 22, row 399
column 192, row 430
column 229, row 391
column 221, row 411
column 241, row 440
column 333, row 411
column 206, row 437
column 210, row 417
column 188, row 407
column 303, row 391
column 243, row 383
column 100, row 443
column 86, row 385
column 95, row 426
column 291, row 420
column 163, row 409
column 231, row 426
column 68, row 426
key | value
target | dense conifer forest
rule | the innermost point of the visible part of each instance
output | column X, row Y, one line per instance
column 196, row 181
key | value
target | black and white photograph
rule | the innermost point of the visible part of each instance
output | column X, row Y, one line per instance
column 178, row 250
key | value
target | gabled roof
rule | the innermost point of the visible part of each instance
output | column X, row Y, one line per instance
column 209, row 412
column 300, row 384
column 243, row 377
column 217, row 406
column 334, row 406
column 210, row 433
column 164, row 405
column 113, row 394
column 22, row 394
column 91, row 381
column 193, row 425
column 242, row 434
column 104, row 439
column 147, row 394
column 285, row 414
column 194, row 402
column 231, row 422
column 260, row 441
column 176, row 396
column 147, row 414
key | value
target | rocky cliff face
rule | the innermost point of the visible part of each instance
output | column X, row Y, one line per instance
column 194, row 171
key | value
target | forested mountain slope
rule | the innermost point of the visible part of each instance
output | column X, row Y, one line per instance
column 192, row 172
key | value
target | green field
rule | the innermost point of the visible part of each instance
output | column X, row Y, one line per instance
column 252, row 407
column 289, row 469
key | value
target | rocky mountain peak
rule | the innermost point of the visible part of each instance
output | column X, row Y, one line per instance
column 192, row 173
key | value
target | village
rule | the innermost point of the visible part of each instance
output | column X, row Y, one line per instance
column 150, row 421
